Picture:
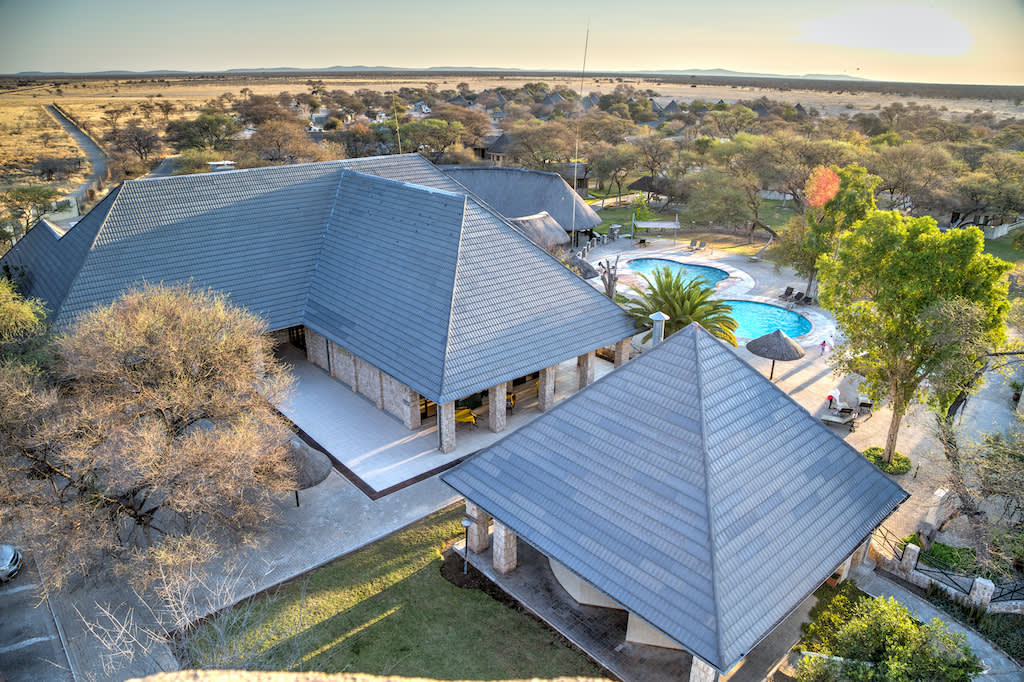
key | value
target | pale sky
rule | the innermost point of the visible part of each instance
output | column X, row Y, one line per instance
column 962, row 41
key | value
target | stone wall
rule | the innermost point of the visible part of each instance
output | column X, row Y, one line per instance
column 343, row 366
column 316, row 350
column 400, row 401
column 368, row 382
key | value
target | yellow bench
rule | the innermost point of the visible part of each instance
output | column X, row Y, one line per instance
column 465, row 414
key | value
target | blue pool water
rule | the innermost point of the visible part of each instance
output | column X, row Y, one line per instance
column 648, row 265
column 755, row 319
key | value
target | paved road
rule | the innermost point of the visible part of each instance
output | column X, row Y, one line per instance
column 96, row 156
column 166, row 167
column 30, row 648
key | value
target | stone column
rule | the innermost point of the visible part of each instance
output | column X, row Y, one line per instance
column 411, row 409
column 981, row 593
column 909, row 561
column 546, row 388
column 585, row 369
column 496, row 418
column 702, row 672
column 622, row 351
column 504, row 553
column 446, row 426
column 479, row 538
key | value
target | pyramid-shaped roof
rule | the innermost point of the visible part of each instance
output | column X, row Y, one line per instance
column 689, row 489
column 386, row 256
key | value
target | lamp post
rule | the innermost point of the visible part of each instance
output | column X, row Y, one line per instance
column 466, row 523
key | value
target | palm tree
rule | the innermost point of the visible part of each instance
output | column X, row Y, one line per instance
column 684, row 301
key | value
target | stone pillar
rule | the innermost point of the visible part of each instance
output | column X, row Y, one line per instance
column 981, row 593
column 496, row 407
column 546, row 388
column 702, row 672
column 479, row 537
column 909, row 561
column 844, row 570
column 622, row 351
column 504, row 553
column 411, row 409
column 585, row 369
column 446, row 426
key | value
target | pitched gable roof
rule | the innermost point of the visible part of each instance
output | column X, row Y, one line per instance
column 688, row 488
column 386, row 256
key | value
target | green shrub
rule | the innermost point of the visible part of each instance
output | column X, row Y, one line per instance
column 879, row 639
column 900, row 464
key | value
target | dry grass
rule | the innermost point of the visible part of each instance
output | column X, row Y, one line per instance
column 28, row 133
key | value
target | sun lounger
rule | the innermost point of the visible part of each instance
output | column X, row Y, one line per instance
column 844, row 418
column 807, row 300
column 797, row 297
column 693, row 245
column 510, row 401
column 786, row 294
column 641, row 243
column 702, row 246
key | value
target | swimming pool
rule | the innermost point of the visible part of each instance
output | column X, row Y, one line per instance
column 647, row 266
column 755, row 319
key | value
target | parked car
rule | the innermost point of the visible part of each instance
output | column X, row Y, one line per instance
column 10, row 562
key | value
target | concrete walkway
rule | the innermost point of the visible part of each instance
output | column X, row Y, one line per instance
column 998, row 666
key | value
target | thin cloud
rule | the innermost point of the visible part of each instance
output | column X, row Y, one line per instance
column 906, row 29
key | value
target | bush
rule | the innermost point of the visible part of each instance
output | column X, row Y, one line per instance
column 878, row 639
column 900, row 464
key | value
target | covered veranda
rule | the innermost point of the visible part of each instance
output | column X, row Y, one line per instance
column 375, row 450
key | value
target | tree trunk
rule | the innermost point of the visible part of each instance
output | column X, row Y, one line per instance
column 898, row 410
column 810, row 282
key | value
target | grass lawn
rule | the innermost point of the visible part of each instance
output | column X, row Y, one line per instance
column 1003, row 248
column 386, row 610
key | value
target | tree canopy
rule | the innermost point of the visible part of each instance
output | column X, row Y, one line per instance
column 151, row 437
column 885, row 285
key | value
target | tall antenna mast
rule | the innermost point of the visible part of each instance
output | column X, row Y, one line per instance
column 576, row 154
column 398, row 132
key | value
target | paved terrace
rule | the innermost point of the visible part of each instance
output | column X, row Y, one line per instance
column 373, row 449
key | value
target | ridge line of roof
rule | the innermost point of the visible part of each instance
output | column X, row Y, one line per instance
column 116, row 194
column 451, row 302
column 322, row 238
column 707, row 491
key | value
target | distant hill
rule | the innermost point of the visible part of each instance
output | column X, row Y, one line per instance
column 719, row 73
column 725, row 73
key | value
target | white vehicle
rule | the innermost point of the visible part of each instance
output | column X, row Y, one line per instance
column 10, row 563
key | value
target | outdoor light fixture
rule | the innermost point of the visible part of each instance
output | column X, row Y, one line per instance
column 466, row 523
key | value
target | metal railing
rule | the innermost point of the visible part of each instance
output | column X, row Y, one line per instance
column 940, row 571
column 1009, row 591
column 888, row 543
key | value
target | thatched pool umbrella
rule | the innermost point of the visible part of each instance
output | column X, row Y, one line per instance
column 775, row 346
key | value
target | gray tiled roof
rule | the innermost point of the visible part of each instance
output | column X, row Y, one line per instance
column 689, row 489
column 519, row 192
column 387, row 256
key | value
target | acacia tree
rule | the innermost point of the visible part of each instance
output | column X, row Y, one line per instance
column 152, row 439
column 28, row 205
column 883, row 285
